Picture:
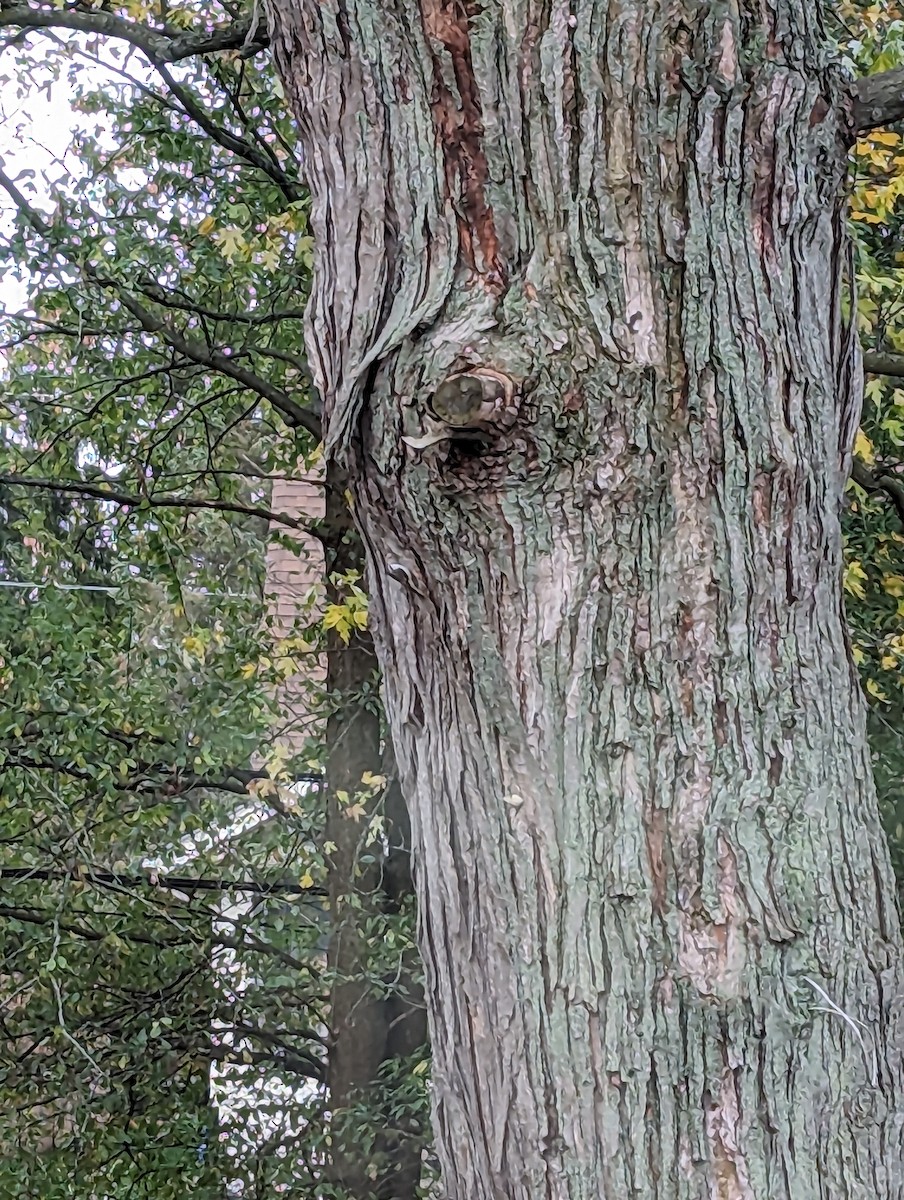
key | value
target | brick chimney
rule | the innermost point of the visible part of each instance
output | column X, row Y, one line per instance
column 293, row 577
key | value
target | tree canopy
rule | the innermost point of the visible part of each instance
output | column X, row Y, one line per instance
column 167, row 869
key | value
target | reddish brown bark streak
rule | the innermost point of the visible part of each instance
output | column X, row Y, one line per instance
column 459, row 127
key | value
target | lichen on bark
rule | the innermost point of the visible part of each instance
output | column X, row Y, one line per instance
column 655, row 899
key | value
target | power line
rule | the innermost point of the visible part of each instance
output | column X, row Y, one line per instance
column 63, row 587
column 112, row 588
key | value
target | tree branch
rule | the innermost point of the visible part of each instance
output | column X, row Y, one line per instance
column 884, row 363
column 292, row 412
column 878, row 100
column 171, row 781
column 99, row 491
column 155, row 879
column 892, row 486
column 307, row 1067
column 30, row 916
column 267, row 162
column 155, row 43
column 163, row 48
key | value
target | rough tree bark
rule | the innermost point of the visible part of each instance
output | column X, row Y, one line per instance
column 577, row 321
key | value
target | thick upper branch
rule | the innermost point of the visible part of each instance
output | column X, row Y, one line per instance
column 247, row 36
column 182, row 883
column 879, row 362
column 878, row 100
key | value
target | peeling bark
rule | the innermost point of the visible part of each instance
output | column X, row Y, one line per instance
column 655, row 899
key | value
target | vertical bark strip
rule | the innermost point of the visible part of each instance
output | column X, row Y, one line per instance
column 577, row 322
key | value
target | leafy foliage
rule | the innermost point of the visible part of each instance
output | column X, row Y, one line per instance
column 166, row 997
column 874, row 521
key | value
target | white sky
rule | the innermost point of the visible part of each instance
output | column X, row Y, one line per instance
column 35, row 132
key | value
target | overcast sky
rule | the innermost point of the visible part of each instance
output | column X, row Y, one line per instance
column 35, row 133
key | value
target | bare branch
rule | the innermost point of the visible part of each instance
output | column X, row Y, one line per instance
column 155, row 43
column 99, row 491
column 884, row 363
column 155, row 879
column 265, row 160
column 878, row 100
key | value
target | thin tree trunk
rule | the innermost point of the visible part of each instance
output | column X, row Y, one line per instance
column 368, row 1030
column 577, row 321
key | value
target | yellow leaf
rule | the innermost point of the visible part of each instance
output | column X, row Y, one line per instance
column 194, row 646
column 863, row 448
column 304, row 249
column 276, row 765
column 247, row 670
column 307, row 880
column 888, row 662
column 338, row 617
column 893, row 585
column 854, row 579
column 231, row 241
column 858, row 655
column 373, row 781
column 206, row 226
column 356, row 811
column 262, row 787
column 874, row 690
column 269, row 259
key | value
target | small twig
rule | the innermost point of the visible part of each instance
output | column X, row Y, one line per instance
column 68, row 1036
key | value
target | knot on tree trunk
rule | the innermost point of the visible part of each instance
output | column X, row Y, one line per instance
column 469, row 408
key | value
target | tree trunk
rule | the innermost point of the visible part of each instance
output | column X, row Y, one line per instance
column 577, row 321
column 372, row 1154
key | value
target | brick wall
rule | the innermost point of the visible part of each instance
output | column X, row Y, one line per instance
column 292, row 575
